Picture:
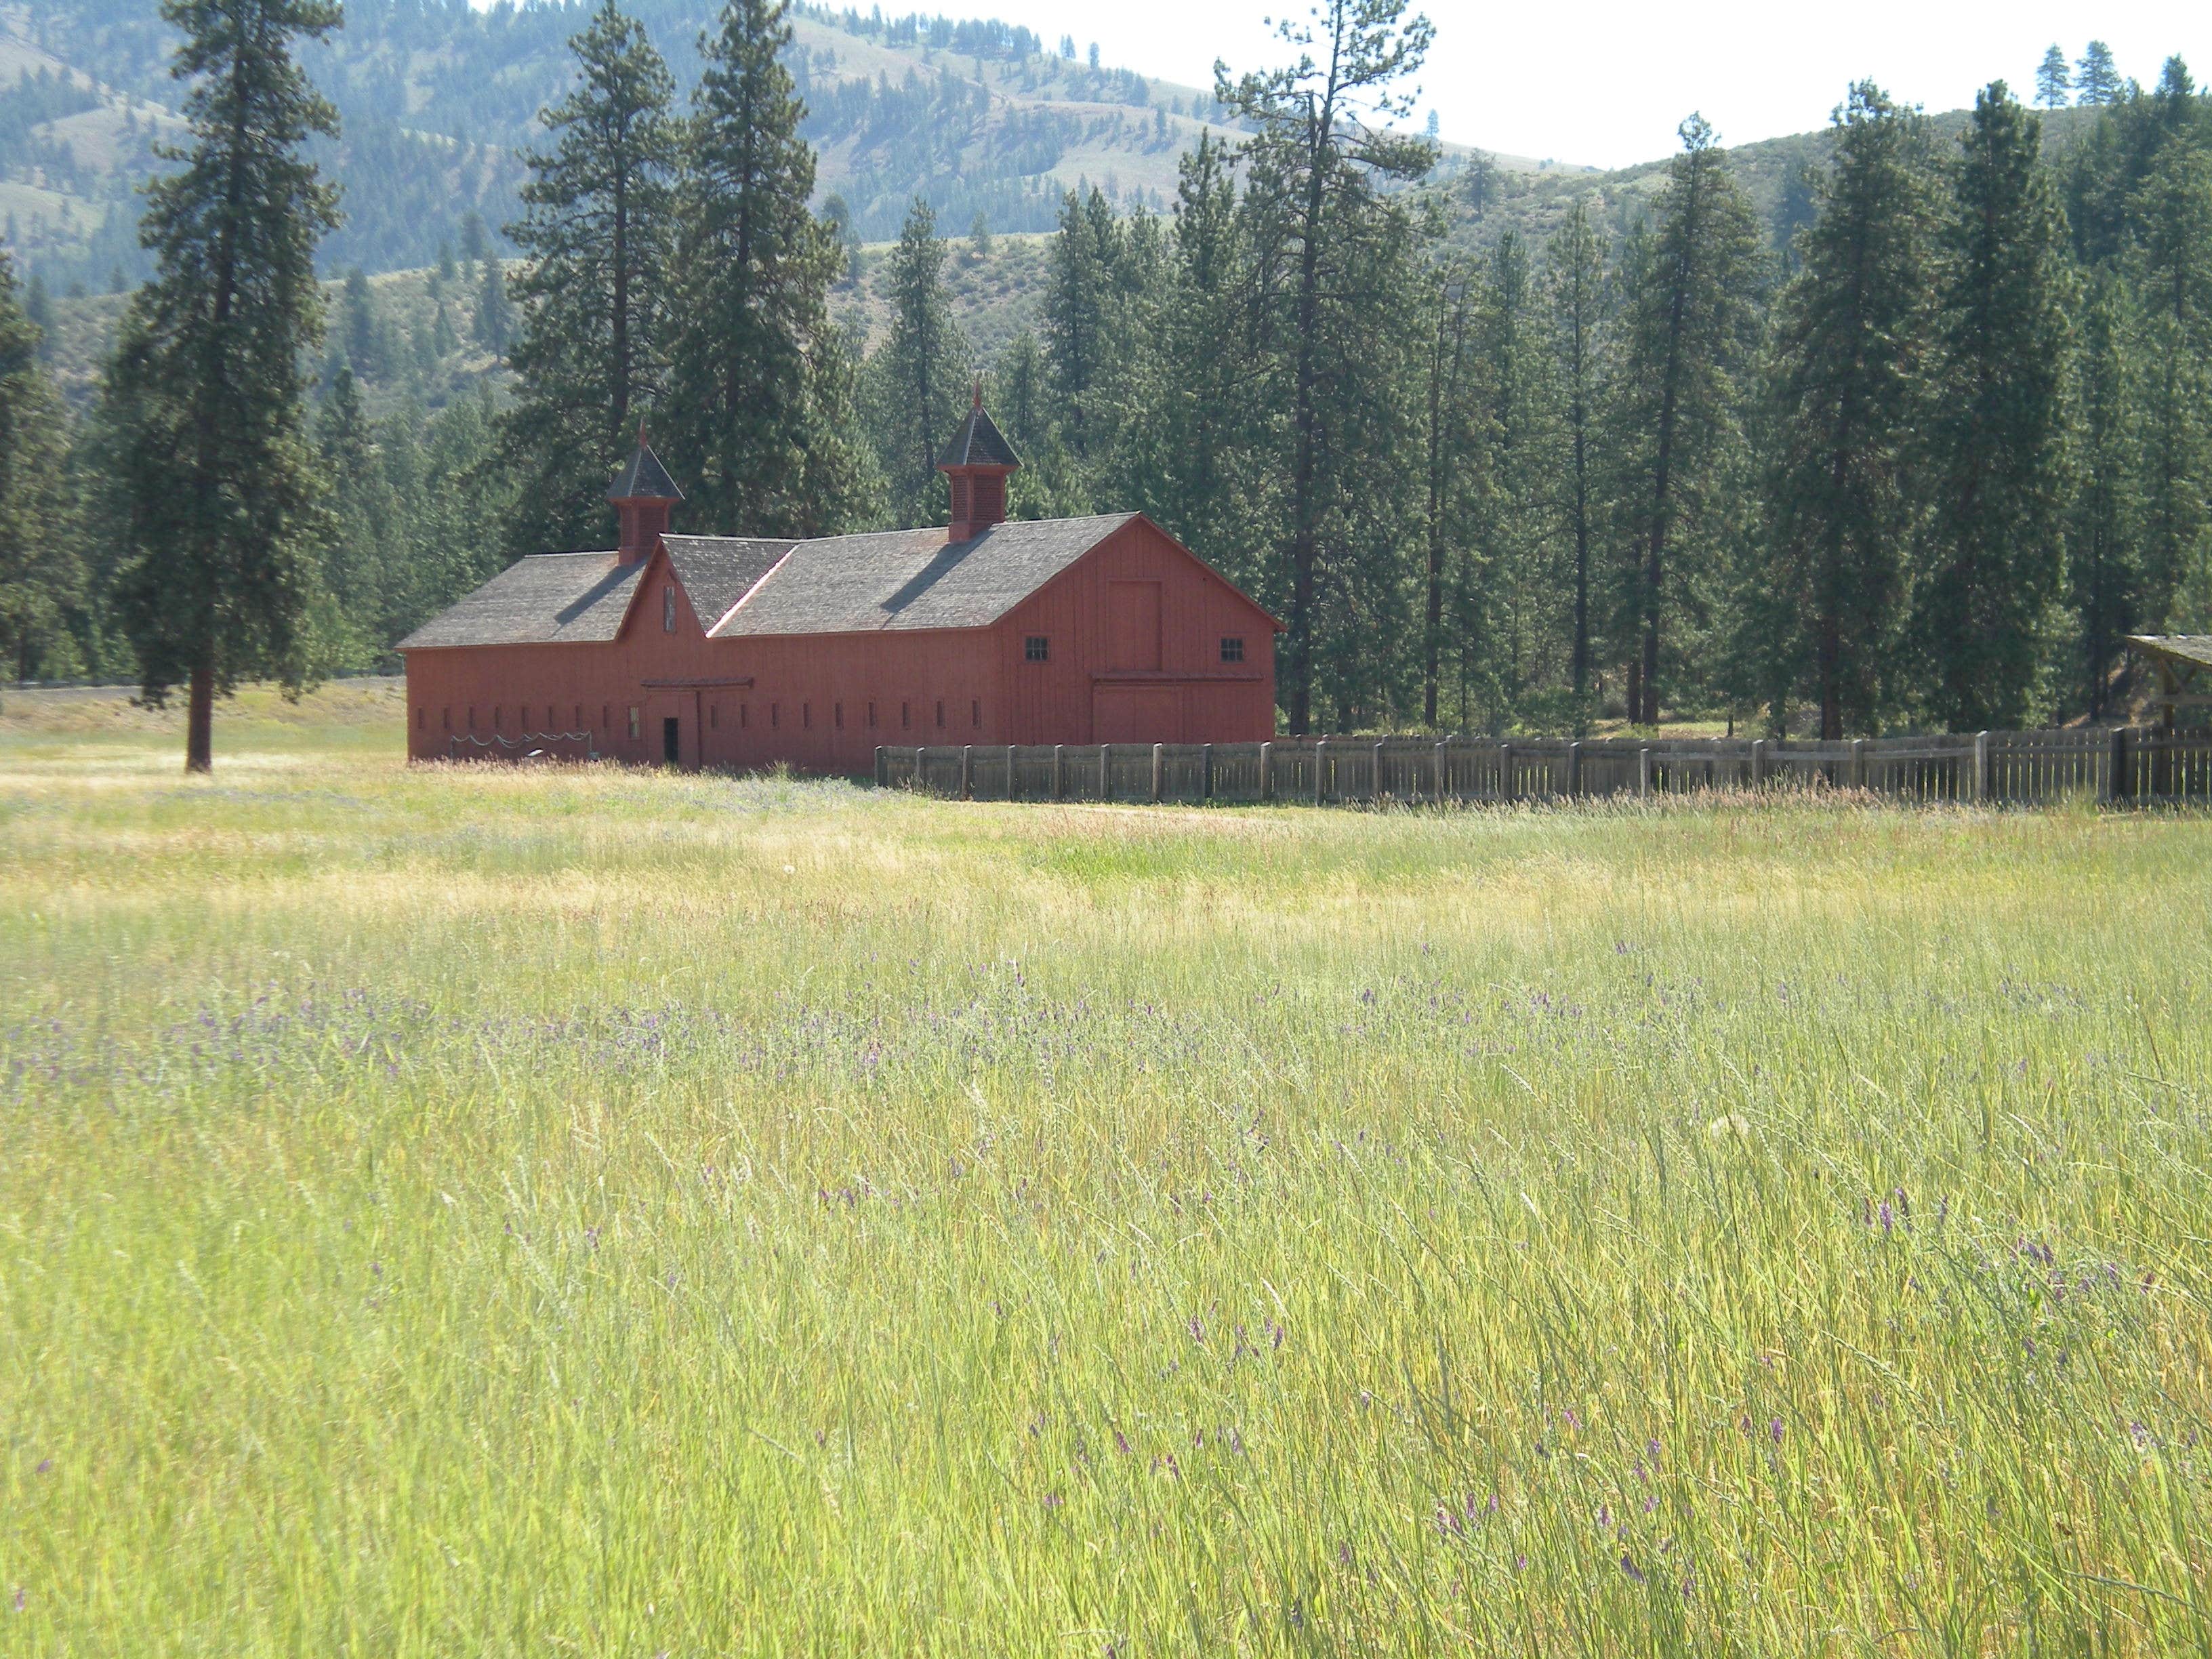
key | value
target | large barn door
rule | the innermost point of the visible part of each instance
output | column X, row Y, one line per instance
column 1137, row 714
column 1132, row 627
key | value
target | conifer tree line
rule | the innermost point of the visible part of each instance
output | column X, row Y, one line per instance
column 1922, row 466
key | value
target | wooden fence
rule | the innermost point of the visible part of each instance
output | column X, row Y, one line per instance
column 2119, row 765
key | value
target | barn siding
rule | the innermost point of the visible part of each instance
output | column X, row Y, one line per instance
column 790, row 712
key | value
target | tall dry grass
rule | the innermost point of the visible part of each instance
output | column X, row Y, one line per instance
column 580, row 1211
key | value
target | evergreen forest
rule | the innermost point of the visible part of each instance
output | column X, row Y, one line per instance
column 1909, row 440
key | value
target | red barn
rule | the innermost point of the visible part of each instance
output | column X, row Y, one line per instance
column 742, row 652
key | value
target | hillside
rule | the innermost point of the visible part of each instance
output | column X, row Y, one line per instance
column 412, row 358
column 1487, row 201
column 436, row 101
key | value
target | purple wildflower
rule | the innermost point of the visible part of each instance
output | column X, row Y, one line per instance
column 1629, row 1567
column 1774, row 1430
column 45, row 1466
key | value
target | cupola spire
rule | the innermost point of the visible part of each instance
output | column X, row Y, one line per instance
column 642, row 493
column 976, row 464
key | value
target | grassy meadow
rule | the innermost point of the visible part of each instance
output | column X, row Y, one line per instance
column 574, row 1210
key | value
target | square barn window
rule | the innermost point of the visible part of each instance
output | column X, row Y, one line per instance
column 940, row 711
column 668, row 609
column 1232, row 647
column 1037, row 647
column 976, row 713
column 632, row 722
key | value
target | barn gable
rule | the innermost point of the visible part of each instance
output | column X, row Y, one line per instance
column 1261, row 613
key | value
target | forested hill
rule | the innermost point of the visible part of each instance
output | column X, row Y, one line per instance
column 436, row 99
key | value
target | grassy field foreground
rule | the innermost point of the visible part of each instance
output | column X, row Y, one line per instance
column 501, row 1212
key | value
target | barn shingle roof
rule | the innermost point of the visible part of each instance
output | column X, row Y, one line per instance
column 902, row 580
column 910, row 579
column 548, row 597
column 717, row 571
column 978, row 443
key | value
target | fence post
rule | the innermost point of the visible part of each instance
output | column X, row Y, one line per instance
column 1206, row 772
column 1321, row 747
column 1858, row 764
column 967, row 770
column 881, row 771
column 1981, row 773
column 1159, row 759
column 1266, row 771
column 1374, row 793
column 1059, row 771
column 1575, row 768
column 1505, row 771
column 1643, row 773
column 1759, row 762
column 1105, row 771
column 1440, row 774
column 1010, row 771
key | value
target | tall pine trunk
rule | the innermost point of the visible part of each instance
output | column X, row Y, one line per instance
column 199, row 720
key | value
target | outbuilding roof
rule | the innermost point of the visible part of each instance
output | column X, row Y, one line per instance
column 546, row 597
column 2192, row 649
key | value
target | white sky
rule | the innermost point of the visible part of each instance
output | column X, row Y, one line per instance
column 1606, row 84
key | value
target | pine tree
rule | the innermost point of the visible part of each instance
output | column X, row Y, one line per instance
column 41, row 565
column 359, row 566
column 2172, row 263
column 1456, row 437
column 1185, row 450
column 2103, row 558
column 224, row 494
column 921, row 374
column 2054, row 82
column 597, row 233
column 495, row 313
column 1320, row 145
column 1687, row 317
column 2095, row 80
column 1989, row 604
column 358, row 329
column 1853, row 339
column 752, row 320
column 1078, row 313
column 1575, row 268
column 1523, row 590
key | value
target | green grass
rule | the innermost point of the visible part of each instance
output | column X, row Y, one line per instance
column 552, row 1211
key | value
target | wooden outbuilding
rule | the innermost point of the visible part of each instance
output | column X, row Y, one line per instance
column 744, row 652
column 2183, row 665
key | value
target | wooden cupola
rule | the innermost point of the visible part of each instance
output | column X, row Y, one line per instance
column 642, row 493
column 975, row 464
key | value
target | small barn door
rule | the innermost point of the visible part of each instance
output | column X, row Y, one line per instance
column 1133, row 628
